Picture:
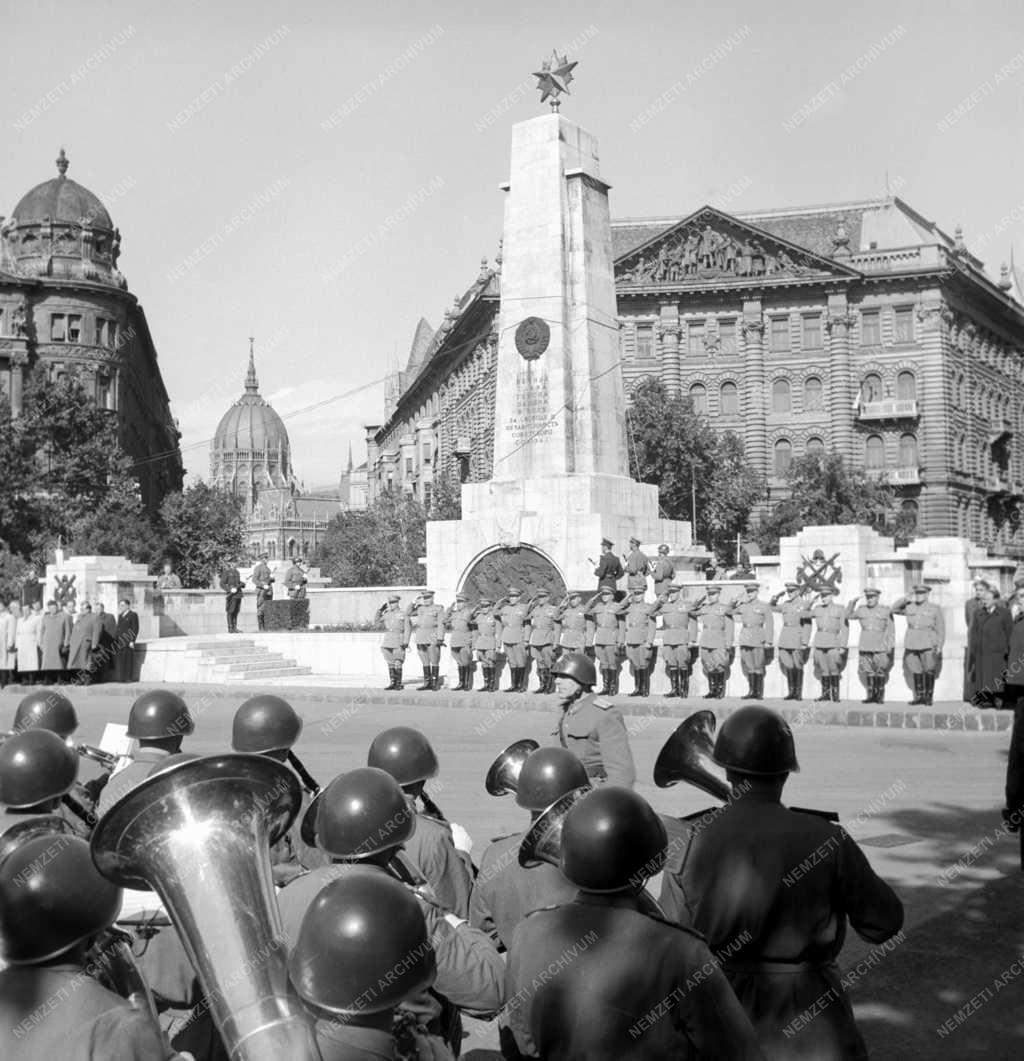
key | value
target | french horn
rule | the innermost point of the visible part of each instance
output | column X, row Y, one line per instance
column 199, row 834
column 686, row 756
column 503, row 774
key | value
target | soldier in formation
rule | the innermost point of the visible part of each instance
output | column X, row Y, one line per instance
column 831, row 640
column 397, row 631
column 716, row 641
column 922, row 644
column 608, row 568
column 515, row 618
column 545, row 629
column 794, row 637
column 876, row 645
column 677, row 635
column 606, row 619
column 638, row 567
column 426, row 622
column 458, row 621
column 638, row 628
column 575, row 630
column 662, row 571
column 487, row 642
column 756, row 639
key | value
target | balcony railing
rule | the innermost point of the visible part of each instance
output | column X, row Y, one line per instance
column 888, row 409
column 895, row 476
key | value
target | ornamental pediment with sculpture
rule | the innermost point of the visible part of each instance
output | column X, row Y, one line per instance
column 711, row 246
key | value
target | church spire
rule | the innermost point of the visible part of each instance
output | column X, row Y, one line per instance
column 350, row 458
column 252, row 384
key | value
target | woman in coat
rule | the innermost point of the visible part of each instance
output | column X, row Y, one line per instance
column 29, row 639
column 8, row 644
column 988, row 644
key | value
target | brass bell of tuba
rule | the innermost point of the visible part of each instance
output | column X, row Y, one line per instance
column 543, row 843
column 503, row 774
column 199, row 833
column 34, row 825
column 686, row 756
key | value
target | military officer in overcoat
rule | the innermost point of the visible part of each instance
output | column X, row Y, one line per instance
column 638, row 566
column 397, row 631
column 675, row 640
column 794, row 637
column 426, row 621
column 716, row 641
column 663, row 571
column 486, row 642
column 591, row 726
column 922, row 645
column 756, row 639
column 877, row 642
column 638, row 637
column 515, row 638
column 458, row 619
column 608, row 634
column 545, row 619
column 831, row 639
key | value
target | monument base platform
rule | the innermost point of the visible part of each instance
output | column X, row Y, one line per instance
column 561, row 517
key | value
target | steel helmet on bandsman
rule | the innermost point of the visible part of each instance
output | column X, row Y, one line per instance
column 52, row 897
column 405, row 754
column 361, row 813
column 265, row 724
column 35, row 766
column 46, row 709
column 577, row 666
column 546, row 775
column 756, row 740
column 159, row 715
column 359, row 932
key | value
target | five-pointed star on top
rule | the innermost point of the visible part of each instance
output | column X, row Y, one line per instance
column 554, row 77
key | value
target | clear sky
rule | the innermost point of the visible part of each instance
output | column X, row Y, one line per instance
column 320, row 175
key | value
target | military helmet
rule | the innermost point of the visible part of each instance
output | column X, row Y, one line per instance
column 612, row 839
column 51, row 898
column 35, row 766
column 404, row 753
column 360, row 931
column 46, row 709
column 361, row 813
column 264, row 724
column 546, row 775
column 756, row 740
column 159, row 714
column 576, row 665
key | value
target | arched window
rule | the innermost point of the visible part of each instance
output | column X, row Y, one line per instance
column 906, row 386
column 783, row 456
column 908, row 518
column 908, row 450
column 781, row 401
column 699, row 397
column 874, row 452
column 291, row 547
column 272, row 550
column 813, row 395
column 814, row 447
column 729, row 399
column 871, row 388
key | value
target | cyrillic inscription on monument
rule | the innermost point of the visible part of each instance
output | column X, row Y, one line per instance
column 532, row 420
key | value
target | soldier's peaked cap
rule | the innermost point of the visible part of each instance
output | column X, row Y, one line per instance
column 751, row 585
column 461, row 596
column 714, row 589
column 872, row 592
column 634, row 541
column 922, row 588
column 427, row 593
column 792, row 585
column 394, row 599
column 830, row 590
column 607, row 542
column 607, row 589
column 542, row 593
column 514, row 591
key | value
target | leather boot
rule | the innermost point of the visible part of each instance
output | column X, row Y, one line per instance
column 513, row 678
column 710, row 694
column 798, row 685
column 435, row 679
column 615, row 682
column 879, row 690
column 789, row 686
column 918, row 690
column 929, row 689
column 759, row 687
column 551, row 683
column 426, row 684
column 835, row 688
column 606, row 682
column 524, row 679
column 391, row 672
column 826, row 691
column 684, row 683
column 673, row 683
column 642, row 678
column 869, row 683
column 542, row 683
column 462, row 681
column 637, row 683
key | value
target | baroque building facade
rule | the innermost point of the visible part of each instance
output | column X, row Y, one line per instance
column 66, row 311
column 250, row 457
column 860, row 326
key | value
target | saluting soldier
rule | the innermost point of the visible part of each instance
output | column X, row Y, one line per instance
column 545, row 619
column 515, row 617
column 397, row 631
column 717, row 630
column 427, row 623
column 877, row 641
column 608, row 569
column 574, row 625
column 756, row 639
column 676, row 621
column 794, row 637
column 591, row 726
column 638, row 566
column 831, row 638
column 458, row 620
column 607, row 625
column 922, row 646
column 663, row 571
column 486, row 642
column 638, row 637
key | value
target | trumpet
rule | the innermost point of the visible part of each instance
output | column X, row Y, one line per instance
column 108, row 760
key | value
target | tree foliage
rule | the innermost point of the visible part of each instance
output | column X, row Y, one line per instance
column 678, row 451
column 204, row 528
column 379, row 546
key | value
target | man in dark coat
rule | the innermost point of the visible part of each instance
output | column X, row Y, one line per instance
column 970, row 607
column 103, row 650
column 125, row 635
column 988, row 644
column 1013, row 813
column 85, row 635
column 231, row 583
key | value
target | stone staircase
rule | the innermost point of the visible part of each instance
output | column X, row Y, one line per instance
column 240, row 660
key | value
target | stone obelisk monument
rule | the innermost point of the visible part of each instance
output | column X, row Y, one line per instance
column 561, row 469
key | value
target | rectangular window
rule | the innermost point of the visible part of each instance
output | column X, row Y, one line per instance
column 106, row 333
column 428, row 494
column 812, row 331
column 426, row 452
column 58, row 328
column 644, row 342
column 778, row 337
column 74, row 327
column 870, row 328
column 727, row 338
column 903, row 324
column 695, row 338
column 408, row 467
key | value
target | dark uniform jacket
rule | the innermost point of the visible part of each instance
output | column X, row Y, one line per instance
column 592, row 728
column 431, row 850
column 608, row 571
column 597, row 980
column 766, row 884
column 988, row 646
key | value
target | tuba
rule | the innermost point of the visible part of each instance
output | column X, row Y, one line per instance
column 34, row 825
column 503, row 775
column 543, row 843
column 307, row 830
column 686, row 756
column 199, row 834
